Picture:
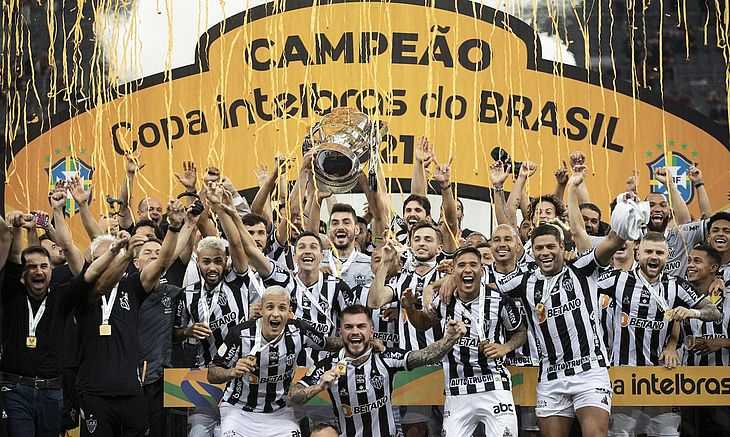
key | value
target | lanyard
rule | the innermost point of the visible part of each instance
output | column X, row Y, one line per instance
column 255, row 279
column 548, row 285
column 345, row 265
column 312, row 298
column 204, row 299
column 106, row 307
column 480, row 320
column 34, row 320
column 661, row 302
column 259, row 344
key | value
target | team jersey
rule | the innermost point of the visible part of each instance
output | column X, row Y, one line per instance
column 221, row 309
column 525, row 355
column 680, row 240
column 411, row 338
column 400, row 228
column 362, row 398
column 264, row 390
column 354, row 269
column 563, row 318
column 320, row 303
column 699, row 329
column 640, row 331
column 486, row 317
column 281, row 254
column 384, row 330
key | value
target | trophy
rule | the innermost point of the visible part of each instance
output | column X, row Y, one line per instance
column 344, row 140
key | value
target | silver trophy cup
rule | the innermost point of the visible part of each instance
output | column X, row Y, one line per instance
column 343, row 141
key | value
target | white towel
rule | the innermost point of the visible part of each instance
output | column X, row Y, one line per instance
column 629, row 218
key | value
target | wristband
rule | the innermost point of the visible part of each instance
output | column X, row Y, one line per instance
column 699, row 184
column 498, row 189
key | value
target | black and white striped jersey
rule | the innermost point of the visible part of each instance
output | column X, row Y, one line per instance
column 354, row 270
column 281, row 254
column 640, row 331
column 607, row 305
column 411, row 338
column 221, row 309
column 320, row 303
column 384, row 330
column 400, row 228
column 720, row 329
column 362, row 398
column 525, row 355
column 564, row 319
column 488, row 317
column 264, row 390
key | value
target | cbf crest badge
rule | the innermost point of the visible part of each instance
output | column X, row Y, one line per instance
column 66, row 168
column 678, row 169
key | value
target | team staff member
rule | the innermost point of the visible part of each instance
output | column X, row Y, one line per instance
column 257, row 361
column 110, row 389
column 478, row 385
column 32, row 338
column 360, row 380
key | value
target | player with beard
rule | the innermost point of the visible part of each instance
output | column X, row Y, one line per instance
column 648, row 302
column 426, row 249
column 344, row 260
column 681, row 237
column 360, row 380
column 477, row 382
column 256, row 361
column 707, row 343
column 718, row 237
column 217, row 300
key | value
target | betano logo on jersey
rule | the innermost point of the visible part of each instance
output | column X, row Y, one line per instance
column 627, row 320
column 678, row 167
column 543, row 314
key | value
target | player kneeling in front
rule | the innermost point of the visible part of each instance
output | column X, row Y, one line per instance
column 360, row 380
column 257, row 361
column 478, row 385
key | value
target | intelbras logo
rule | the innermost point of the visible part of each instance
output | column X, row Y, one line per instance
column 679, row 384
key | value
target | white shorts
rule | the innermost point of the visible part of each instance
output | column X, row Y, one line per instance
column 563, row 396
column 652, row 421
column 495, row 409
column 238, row 423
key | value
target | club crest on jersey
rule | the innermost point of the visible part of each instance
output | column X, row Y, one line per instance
column 324, row 305
column 124, row 301
column 377, row 381
column 91, row 424
column 166, row 304
column 222, row 299
column 290, row 359
column 568, row 283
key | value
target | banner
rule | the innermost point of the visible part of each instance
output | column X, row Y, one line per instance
column 467, row 76
column 632, row 386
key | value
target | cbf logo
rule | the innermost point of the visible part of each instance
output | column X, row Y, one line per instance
column 678, row 169
column 66, row 168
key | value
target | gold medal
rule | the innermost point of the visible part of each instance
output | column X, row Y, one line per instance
column 105, row 330
column 342, row 367
column 251, row 359
column 31, row 342
column 540, row 308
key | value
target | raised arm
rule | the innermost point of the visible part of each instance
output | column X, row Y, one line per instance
column 6, row 240
column 679, row 208
column 150, row 275
column 561, row 181
column 74, row 257
column 575, row 218
column 577, row 164
column 435, row 351
column 497, row 177
column 125, row 191
column 450, row 223
column 518, row 193
column 695, row 176
column 101, row 265
column 226, row 214
column 15, row 219
column 607, row 247
column 420, row 319
column 380, row 294
column 294, row 201
column 81, row 198
column 261, row 204
column 118, row 266
column 422, row 159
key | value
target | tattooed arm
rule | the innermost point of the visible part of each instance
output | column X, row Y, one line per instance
column 435, row 351
column 306, row 388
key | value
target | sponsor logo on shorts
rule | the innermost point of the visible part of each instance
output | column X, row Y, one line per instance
column 507, row 433
column 502, row 409
column 570, row 364
column 472, row 380
column 604, row 400
column 541, row 403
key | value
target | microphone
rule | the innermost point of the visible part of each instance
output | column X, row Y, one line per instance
column 499, row 154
